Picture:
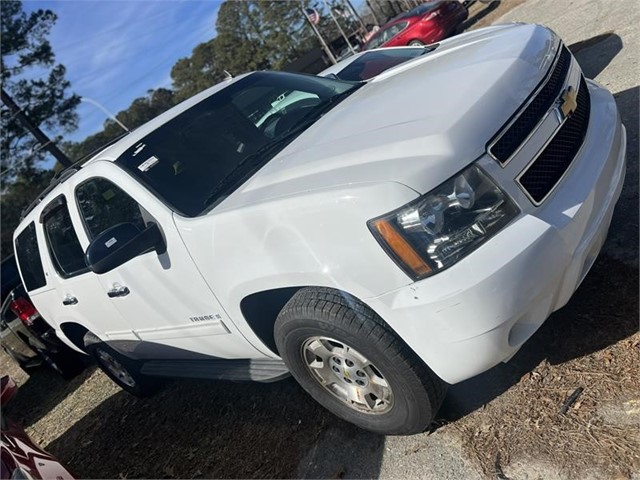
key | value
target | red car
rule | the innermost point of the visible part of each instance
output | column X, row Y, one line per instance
column 20, row 458
column 426, row 23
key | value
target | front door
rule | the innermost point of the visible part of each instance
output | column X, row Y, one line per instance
column 164, row 298
column 71, row 293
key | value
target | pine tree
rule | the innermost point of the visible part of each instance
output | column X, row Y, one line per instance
column 36, row 83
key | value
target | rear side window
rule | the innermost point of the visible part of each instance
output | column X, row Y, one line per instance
column 66, row 253
column 103, row 205
column 29, row 258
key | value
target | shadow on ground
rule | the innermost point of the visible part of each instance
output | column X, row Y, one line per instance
column 595, row 53
column 213, row 430
column 472, row 20
column 40, row 393
column 623, row 240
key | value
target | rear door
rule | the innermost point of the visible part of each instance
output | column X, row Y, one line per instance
column 60, row 285
column 164, row 298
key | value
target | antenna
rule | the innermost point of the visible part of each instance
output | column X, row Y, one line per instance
column 227, row 75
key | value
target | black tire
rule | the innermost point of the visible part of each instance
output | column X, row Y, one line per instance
column 416, row 43
column 417, row 391
column 133, row 382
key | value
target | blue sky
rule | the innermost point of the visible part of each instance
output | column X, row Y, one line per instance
column 115, row 51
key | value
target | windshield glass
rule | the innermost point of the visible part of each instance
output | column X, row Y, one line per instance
column 196, row 159
column 374, row 63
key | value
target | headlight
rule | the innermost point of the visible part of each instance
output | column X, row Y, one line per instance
column 436, row 230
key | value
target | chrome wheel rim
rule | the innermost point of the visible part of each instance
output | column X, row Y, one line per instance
column 347, row 375
column 116, row 368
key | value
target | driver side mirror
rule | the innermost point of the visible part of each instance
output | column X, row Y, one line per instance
column 121, row 243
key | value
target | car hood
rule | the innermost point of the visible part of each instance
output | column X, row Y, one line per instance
column 418, row 123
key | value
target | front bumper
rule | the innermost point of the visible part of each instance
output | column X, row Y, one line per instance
column 479, row 312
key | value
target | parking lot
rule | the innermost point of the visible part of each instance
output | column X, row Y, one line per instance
column 505, row 423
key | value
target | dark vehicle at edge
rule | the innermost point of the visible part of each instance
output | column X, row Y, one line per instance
column 30, row 341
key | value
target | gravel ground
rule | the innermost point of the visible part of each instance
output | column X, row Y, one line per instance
column 505, row 423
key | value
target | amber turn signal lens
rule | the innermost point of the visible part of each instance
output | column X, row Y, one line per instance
column 401, row 248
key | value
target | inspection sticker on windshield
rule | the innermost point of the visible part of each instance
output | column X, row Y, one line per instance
column 148, row 163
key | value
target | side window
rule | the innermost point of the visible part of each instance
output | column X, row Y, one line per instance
column 66, row 253
column 379, row 39
column 400, row 27
column 29, row 259
column 103, row 205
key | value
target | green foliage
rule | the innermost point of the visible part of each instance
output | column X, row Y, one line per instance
column 251, row 35
column 197, row 72
column 31, row 77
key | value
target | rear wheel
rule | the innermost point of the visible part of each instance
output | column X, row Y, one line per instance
column 416, row 43
column 120, row 369
column 350, row 361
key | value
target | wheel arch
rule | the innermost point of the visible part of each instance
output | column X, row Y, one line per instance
column 74, row 333
column 260, row 310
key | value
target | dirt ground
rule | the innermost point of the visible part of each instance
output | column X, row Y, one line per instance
column 505, row 424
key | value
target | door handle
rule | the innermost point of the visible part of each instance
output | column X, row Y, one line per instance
column 69, row 300
column 118, row 291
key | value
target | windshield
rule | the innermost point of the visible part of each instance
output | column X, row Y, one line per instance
column 374, row 63
column 199, row 157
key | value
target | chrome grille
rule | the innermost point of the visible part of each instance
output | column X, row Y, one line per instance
column 537, row 106
column 555, row 159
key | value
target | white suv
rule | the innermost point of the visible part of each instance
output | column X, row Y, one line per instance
column 376, row 240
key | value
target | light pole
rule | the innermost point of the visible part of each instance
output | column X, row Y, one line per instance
column 344, row 35
column 107, row 112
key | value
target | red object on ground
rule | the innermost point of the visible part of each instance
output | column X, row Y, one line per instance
column 19, row 456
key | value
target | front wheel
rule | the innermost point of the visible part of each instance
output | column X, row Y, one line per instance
column 416, row 43
column 350, row 361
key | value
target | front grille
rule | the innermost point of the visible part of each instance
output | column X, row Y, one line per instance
column 516, row 134
column 547, row 170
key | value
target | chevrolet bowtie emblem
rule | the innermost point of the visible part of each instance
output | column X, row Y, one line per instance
column 568, row 101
